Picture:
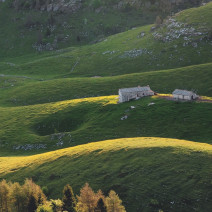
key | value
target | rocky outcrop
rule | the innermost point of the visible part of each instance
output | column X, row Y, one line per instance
column 75, row 5
column 164, row 5
column 172, row 30
column 49, row 5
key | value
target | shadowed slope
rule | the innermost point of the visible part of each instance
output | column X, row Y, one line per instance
column 30, row 129
column 196, row 78
column 166, row 174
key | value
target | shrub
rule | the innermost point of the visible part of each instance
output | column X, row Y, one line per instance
column 158, row 21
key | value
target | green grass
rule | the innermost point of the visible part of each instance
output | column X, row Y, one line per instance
column 16, row 39
column 91, row 60
column 196, row 78
column 43, row 101
column 148, row 173
column 94, row 60
column 195, row 16
column 99, row 118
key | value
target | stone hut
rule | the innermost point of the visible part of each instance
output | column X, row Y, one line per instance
column 127, row 94
column 184, row 94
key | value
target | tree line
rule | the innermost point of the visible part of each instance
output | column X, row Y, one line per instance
column 29, row 197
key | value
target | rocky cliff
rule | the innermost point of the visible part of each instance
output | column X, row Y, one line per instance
column 75, row 5
column 49, row 5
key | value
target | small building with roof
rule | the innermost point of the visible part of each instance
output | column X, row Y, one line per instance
column 127, row 94
column 184, row 94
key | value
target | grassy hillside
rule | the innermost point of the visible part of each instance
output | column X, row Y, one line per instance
column 39, row 128
column 28, row 92
column 68, row 98
column 29, row 27
column 148, row 173
column 119, row 54
column 174, row 44
column 26, row 30
column 195, row 16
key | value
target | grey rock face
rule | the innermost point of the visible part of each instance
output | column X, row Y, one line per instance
column 72, row 6
column 164, row 5
column 51, row 5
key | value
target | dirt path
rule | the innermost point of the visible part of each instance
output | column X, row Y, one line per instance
column 170, row 98
column 204, row 100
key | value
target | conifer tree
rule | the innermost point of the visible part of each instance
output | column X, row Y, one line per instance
column 87, row 199
column 18, row 197
column 32, row 205
column 4, row 195
column 100, row 206
column 69, row 201
column 114, row 203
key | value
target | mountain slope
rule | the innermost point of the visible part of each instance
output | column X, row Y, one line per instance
column 174, row 44
column 45, row 127
column 168, row 174
column 44, row 105
column 24, row 91
column 37, row 25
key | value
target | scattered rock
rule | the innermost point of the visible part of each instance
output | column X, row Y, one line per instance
column 61, row 138
column 96, row 77
column 124, row 117
column 195, row 45
column 45, row 47
column 10, row 64
column 175, row 30
column 110, row 52
column 135, row 53
column 153, row 28
column 141, row 35
column 152, row 103
column 60, row 143
column 29, row 147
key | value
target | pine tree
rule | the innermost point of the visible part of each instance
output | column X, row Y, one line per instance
column 18, row 197
column 40, row 199
column 4, row 195
column 88, row 199
column 114, row 203
column 32, row 205
column 100, row 206
column 69, row 201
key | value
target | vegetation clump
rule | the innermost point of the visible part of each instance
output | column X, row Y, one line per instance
column 20, row 198
column 30, row 198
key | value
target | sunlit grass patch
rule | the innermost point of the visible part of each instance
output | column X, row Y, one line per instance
column 134, row 166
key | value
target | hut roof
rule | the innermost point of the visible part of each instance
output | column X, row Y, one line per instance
column 135, row 89
column 182, row 92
